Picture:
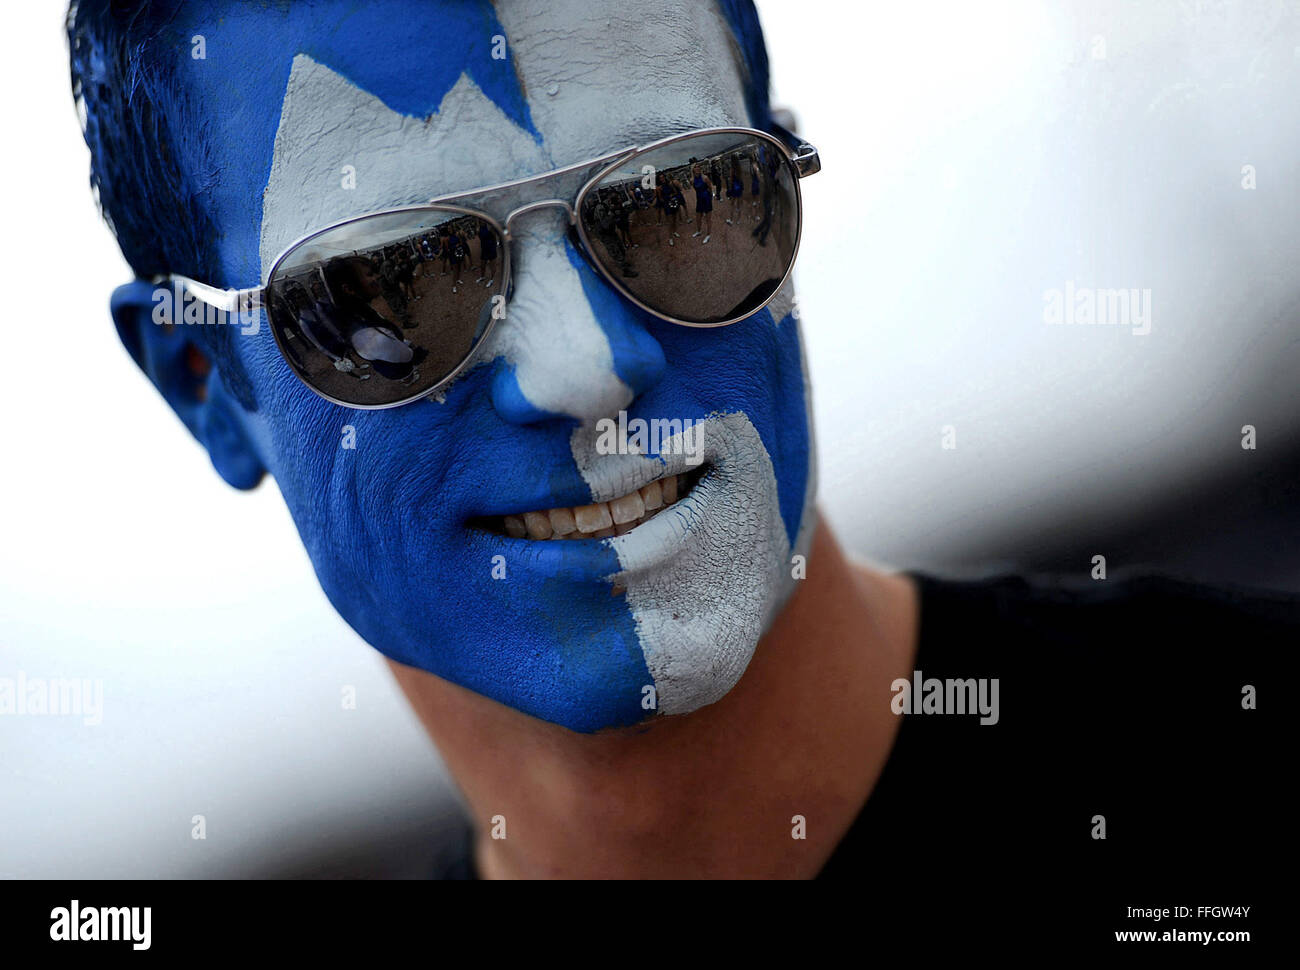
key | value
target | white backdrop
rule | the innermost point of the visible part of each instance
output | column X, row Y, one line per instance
column 975, row 156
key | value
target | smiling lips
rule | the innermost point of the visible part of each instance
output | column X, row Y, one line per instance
column 603, row 519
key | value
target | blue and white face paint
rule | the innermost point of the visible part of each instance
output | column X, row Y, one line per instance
column 572, row 632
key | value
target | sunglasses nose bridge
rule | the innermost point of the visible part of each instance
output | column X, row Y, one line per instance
column 540, row 204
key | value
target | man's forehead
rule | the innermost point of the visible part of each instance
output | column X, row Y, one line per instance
column 588, row 84
column 231, row 62
column 597, row 80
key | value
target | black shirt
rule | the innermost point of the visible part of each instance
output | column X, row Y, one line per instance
column 1124, row 699
column 1122, row 706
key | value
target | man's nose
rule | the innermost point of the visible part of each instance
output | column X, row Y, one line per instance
column 569, row 345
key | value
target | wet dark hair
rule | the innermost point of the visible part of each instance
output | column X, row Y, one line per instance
column 137, row 125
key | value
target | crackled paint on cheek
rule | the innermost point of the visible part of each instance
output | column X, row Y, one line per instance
column 700, row 613
column 385, row 525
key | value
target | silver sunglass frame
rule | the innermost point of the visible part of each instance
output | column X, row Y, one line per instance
column 801, row 157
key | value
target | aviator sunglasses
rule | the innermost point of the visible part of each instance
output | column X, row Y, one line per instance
column 699, row 229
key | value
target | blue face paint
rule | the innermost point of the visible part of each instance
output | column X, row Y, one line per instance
column 385, row 48
column 411, row 97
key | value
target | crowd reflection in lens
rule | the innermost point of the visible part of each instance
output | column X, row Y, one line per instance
column 706, row 238
column 377, row 324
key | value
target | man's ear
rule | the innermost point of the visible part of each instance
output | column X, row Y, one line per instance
column 185, row 377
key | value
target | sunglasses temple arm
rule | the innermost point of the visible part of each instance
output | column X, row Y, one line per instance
column 805, row 157
column 231, row 301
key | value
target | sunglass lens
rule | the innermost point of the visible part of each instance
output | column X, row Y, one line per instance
column 702, row 230
column 379, row 311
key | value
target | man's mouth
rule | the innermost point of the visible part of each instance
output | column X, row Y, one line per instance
column 603, row 520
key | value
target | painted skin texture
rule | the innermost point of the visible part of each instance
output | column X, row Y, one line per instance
column 385, row 524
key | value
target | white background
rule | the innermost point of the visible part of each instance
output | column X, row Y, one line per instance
column 975, row 155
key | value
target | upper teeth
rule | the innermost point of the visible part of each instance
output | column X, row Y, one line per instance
column 598, row 521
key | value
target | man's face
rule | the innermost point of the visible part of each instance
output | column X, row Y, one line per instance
column 395, row 102
column 367, row 283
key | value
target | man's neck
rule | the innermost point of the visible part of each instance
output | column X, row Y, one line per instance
column 805, row 733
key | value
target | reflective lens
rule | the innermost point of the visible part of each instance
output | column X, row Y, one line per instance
column 378, row 311
column 703, row 229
